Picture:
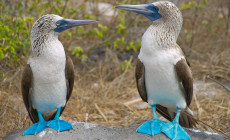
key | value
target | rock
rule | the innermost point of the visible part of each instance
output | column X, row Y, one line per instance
column 89, row 131
column 105, row 11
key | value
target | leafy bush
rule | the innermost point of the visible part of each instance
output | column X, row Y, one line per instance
column 14, row 36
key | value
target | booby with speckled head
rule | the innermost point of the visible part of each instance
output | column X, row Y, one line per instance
column 48, row 78
column 163, row 76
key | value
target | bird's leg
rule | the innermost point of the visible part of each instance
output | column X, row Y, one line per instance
column 37, row 127
column 152, row 127
column 173, row 130
column 59, row 125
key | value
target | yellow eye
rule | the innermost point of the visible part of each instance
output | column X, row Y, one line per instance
column 57, row 24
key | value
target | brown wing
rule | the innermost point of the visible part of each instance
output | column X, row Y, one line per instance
column 140, row 80
column 185, row 76
column 26, row 84
column 69, row 74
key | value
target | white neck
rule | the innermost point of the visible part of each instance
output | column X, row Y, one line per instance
column 41, row 43
column 159, row 36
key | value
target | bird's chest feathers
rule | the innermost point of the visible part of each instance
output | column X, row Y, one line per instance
column 51, row 64
column 160, row 66
column 49, row 83
column 161, row 80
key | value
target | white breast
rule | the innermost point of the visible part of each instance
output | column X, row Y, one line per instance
column 160, row 76
column 49, row 84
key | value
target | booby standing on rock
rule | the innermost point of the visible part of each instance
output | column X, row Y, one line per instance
column 48, row 78
column 163, row 76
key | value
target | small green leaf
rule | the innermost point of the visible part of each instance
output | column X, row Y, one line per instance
column 1, row 54
column 126, row 64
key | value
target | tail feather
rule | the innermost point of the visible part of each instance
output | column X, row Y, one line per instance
column 187, row 120
column 186, row 117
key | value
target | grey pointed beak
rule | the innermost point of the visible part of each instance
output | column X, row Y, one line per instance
column 73, row 23
column 141, row 9
column 148, row 10
column 65, row 24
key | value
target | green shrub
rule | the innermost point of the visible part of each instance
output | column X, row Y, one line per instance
column 14, row 36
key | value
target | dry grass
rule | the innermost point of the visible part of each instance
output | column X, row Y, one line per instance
column 103, row 91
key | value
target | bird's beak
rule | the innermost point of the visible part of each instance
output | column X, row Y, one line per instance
column 65, row 24
column 148, row 10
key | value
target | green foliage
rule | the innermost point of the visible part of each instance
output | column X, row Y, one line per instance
column 91, row 17
column 121, row 27
column 17, row 19
column 206, row 24
column 16, row 22
column 119, row 42
column 193, row 4
column 79, row 53
column 188, row 35
column 126, row 64
column 100, row 31
column 14, row 36
column 190, row 4
column 134, row 45
column 219, row 22
column 203, row 5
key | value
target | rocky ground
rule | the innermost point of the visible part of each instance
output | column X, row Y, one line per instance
column 89, row 131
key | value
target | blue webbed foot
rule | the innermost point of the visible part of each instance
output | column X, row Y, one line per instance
column 37, row 127
column 174, row 131
column 60, row 125
column 151, row 128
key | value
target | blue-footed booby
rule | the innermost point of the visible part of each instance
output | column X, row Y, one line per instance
column 48, row 78
column 163, row 76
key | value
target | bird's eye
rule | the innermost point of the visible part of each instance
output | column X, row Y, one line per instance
column 57, row 24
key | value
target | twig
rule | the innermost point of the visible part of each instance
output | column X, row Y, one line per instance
column 128, row 107
column 4, row 110
column 214, row 80
column 197, row 105
column 213, row 128
column 11, row 78
column 132, row 102
column 99, row 110
column 63, row 10
column 193, row 32
column 228, row 112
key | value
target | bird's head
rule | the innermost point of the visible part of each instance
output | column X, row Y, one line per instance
column 158, row 12
column 166, row 20
column 53, row 25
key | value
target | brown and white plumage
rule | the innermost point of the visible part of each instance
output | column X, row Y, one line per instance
column 26, row 86
column 163, row 76
column 184, row 75
column 48, row 78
